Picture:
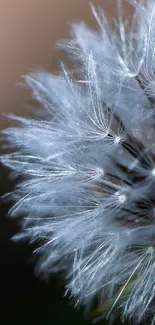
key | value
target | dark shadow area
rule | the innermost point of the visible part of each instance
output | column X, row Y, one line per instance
column 24, row 297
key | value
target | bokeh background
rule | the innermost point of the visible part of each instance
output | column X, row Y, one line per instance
column 29, row 30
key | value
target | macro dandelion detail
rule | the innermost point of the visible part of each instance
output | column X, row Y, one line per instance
column 88, row 166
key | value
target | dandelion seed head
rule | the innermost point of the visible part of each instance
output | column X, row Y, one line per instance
column 87, row 165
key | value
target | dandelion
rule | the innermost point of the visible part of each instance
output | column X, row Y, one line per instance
column 88, row 188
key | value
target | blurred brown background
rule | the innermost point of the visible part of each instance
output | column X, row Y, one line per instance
column 29, row 30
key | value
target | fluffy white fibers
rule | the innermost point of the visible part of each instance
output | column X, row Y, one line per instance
column 88, row 167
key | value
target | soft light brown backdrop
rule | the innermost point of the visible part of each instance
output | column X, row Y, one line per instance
column 29, row 30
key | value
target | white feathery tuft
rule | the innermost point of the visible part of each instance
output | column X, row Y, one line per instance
column 87, row 195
